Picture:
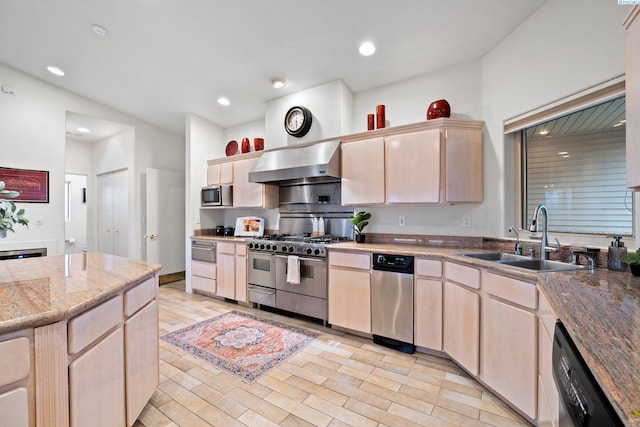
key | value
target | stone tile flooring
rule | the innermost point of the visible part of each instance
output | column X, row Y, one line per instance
column 338, row 380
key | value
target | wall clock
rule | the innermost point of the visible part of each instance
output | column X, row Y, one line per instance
column 297, row 121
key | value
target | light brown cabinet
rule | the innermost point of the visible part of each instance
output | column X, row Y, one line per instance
column 509, row 350
column 632, row 82
column 428, row 304
column 231, row 260
column 439, row 161
column 16, row 382
column 349, row 293
column 462, row 315
column 250, row 194
column 220, row 173
column 549, row 409
column 203, row 276
column 362, row 165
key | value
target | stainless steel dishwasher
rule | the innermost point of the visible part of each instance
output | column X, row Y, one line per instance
column 392, row 301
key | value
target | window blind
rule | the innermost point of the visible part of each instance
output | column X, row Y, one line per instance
column 582, row 181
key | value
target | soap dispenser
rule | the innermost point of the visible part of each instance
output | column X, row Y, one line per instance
column 616, row 252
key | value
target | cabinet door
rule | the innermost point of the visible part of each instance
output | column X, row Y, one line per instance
column 633, row 98
column 461, row 338
column 142, row 359
column 213, row 174
column 241, row 274
column 428, row 314
column 463, row 171
column 14, row 408
column 363, row 172
column 250, row 194
column 412, row 165
column 510, row 354
column 349, row 299
column 226, row 281
column 96, row 384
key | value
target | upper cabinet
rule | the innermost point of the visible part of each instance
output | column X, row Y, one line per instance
column 220, row 174
column 632, row 24
column 250, row 194
column 438, row 161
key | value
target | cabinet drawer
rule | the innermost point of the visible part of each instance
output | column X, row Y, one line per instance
column 428, row 267
column 15, row 356
column 139, row 296
column 226, row 248
column 462, row 274
column 89, row 326
column 350, row 260
column 203, row 269
column 203, row 284
column 241, row 250
column 516, row 291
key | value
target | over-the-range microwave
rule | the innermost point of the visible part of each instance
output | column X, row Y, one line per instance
column 217, row 195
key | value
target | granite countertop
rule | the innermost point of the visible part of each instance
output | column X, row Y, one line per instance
column 40, row 291
column 599, row 308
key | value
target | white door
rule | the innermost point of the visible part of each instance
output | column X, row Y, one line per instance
column 113, row 211
column 165, row 220
column 75, row 210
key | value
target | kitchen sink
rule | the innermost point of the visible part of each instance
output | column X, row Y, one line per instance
column 542, row 265
column 497, row 256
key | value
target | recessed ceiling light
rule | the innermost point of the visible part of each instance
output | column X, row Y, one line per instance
column 620, row 123
column 278, row 82
column 367, row 49
column 99, row 30
column 83, row 130
column 55, row 70
column 224, row 101
column 543, row 132
column 563, row 153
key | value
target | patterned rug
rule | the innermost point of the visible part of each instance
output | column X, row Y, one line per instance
column 241, row 344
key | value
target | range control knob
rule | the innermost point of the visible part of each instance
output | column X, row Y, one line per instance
column 317, row 252
column 291, row 248
column 309, row 250
column 250, row 245
column 262, row 246
column 268, row 247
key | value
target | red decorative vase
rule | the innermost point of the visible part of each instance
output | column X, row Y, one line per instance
column 258, row 144
column 380, row 117
column 370, row 122
column 439, row 108
column 246, row 146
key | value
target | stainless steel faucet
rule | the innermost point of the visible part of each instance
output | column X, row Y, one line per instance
column 544, row 240
column 518, row 248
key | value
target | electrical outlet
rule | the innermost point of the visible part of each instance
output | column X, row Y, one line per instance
column 466, row 221
column 401, row 221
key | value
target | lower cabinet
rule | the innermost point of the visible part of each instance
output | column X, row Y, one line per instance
column 349, row 294
column 509, row 355
column 97, row 385
column 231, row 261
column 203, row 276
column 549, row 409
column 16, row 389
column 428, row 304
column 141, row 332
column 462, row 326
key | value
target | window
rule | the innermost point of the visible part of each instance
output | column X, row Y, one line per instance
column 575, row 165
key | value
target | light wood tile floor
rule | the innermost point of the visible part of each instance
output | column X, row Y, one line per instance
column 338, row 380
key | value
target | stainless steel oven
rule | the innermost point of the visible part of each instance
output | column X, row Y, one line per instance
column 261, row 278
column 309, row 296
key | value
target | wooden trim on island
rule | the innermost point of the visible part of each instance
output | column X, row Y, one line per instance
column 52, row 381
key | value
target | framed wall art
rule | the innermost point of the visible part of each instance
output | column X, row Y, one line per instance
column 32, row 185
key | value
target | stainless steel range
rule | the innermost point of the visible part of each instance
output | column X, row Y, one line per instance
column 289, row 271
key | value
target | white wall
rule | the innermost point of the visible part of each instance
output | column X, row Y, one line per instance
column 33, row 137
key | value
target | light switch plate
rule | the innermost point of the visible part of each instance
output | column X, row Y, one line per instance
column 466, row 221
column 401, row 221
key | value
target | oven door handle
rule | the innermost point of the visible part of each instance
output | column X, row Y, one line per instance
column 303, row 259
column 259, row 290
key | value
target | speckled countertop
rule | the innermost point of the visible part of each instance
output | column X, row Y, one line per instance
column 600, row 309
column 41, row 291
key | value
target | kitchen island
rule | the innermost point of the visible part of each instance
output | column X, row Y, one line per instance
column 76, row 331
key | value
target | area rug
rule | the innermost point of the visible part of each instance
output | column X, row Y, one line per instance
column 241, row 344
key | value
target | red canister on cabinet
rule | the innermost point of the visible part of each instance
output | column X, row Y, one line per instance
column 380, row 116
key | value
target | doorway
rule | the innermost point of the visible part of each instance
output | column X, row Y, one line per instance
column 75, row 213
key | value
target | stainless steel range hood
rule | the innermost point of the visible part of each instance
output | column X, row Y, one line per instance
column 313, row 162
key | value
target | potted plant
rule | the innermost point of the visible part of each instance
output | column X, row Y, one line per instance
column 633, row 259
column 9, row 213
column 360, row 221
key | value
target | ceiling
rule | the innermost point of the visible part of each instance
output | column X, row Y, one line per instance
column 162, row 59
